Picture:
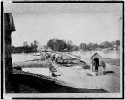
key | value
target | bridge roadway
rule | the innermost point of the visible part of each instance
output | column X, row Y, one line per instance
column 77, row 77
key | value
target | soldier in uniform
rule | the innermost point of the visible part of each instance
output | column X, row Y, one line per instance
column 52, row 69
column 102, row 63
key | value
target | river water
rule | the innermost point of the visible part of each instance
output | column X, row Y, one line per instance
column 84, row 54
column 24, row 56
column 103, row 53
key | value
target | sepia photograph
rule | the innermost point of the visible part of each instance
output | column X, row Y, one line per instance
column 63, row 50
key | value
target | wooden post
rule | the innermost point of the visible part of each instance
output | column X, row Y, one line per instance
column 8, row 29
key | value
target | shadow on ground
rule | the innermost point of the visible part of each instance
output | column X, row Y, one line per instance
column 108, row 72
column 33, row 84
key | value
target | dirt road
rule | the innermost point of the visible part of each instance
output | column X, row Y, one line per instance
column 79, row 79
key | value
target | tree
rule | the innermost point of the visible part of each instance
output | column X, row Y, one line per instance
column 90, row 46
column 101, row 46
column 117, row 43
column 25, row 46
column 113, row 43
column 50, row 44
column 69, row 45
column 108, row 44
column 83, row 46
column 25, row 43
column 75, row 48
column 60, row 45
column 56, row 45
column 69, row 42
column 35, row 43
column 32, row 47
column 95, row 46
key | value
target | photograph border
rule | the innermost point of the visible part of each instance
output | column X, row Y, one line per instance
column 60, row 95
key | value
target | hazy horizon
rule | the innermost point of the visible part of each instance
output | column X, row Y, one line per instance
column 80, row 23
column 62, row 39
column 79, row 28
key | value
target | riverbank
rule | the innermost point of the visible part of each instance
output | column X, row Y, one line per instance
column 29, row 83
column 44, row 63
column 112, row 61
column 37, row 63
column 75, row 78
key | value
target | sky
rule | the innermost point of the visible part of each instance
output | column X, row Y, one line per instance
column 78, row 26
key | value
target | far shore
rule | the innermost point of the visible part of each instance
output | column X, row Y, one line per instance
column 65, row 51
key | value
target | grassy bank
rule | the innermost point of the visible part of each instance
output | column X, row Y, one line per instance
column 37, row 63
column 112, row 61
column 32, row 63
column 44, row 63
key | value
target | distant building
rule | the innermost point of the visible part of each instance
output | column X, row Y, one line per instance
column 96, row 55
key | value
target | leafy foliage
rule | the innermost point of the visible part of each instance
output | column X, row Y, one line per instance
column 57, row 45
column 94, row 46
column 64, row 46
column 25, row 48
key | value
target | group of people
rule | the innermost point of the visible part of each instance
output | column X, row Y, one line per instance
column 52, row 61
column 56, row 57
column 99, row 68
